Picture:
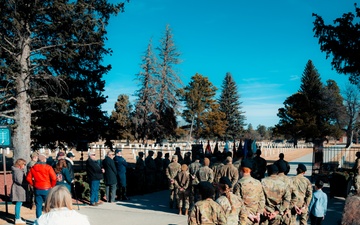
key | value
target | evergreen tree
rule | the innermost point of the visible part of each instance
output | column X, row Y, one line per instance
column 146, row 114
column 341, row 42
column 169, row 82
column 53, row 45
column 120, row 122
column 198, row 97
column 308, row 114
column 231, row 107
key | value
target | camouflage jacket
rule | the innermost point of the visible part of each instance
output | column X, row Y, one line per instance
column 206, row 212
column 216, row 168
column 277, row 194
column 303, row 188
column 172, row 170
column 240, row 213
column 182, row 180
column 205, row 174
column 289, row 183
column 250, row 190
column 193, row 169
column 230, row 172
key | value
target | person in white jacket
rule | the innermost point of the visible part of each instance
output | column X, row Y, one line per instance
column 58, row 209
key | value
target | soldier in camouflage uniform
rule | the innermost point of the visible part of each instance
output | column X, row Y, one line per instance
column 171, row 171
column 229, row 171
column 182, row 182
column 206, row 211
column 351, row 215
column 205, row 173
column 289, row 182
column 303, row 188
column 277, row 197
column 193, row 169
column 232, row 204
column 251, row 191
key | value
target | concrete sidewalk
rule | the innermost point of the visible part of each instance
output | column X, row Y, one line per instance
column 152, row 209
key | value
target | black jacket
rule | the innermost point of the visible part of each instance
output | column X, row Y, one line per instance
column 93, row 170
column 110, row 171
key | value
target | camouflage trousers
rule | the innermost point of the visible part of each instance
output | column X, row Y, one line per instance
column 303, row 218
column 172, row 198
column 183, row 199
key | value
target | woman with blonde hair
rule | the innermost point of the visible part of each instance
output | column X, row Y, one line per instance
column 232, row 205
column 58, row 209
column 18, row 188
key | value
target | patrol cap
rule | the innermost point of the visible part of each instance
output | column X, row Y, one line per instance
column 174, row 157
column 206, row 189
column 70, row 154
column 302, row 167
column 274, row 168
column 117, row 151
column 246, row 163
column 225, row 180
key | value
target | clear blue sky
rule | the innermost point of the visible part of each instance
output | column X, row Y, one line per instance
column 264, row 44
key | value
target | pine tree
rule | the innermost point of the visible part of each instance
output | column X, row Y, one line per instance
column 198, row 97
column 145, row 114
column 231, row 106
column 308, row 114
column 169, row 82
column 120, row 122
column 47, row 46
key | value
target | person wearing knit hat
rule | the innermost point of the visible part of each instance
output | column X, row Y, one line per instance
column 303, row 188
column 206, row 210
column 232, row 204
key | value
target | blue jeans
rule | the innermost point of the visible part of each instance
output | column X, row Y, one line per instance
column 17, row 209
column 94, row 191
column 40, row 197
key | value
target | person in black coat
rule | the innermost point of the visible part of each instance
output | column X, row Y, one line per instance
column 94, row 175
column 110, row 179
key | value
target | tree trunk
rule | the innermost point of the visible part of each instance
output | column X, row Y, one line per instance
column 21, row 138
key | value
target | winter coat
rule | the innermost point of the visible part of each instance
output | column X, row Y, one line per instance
column 93, row 170
column 18, row 188
column 42, row 176
column 110, row 171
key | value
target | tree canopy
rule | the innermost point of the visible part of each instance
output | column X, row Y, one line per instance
column 341, row 41
column 52, row 51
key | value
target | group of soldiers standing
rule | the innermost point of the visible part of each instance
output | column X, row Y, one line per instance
column 237, row 184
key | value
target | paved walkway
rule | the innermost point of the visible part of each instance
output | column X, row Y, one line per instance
column 153, row 208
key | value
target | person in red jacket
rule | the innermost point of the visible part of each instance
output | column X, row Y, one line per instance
column 42, row 178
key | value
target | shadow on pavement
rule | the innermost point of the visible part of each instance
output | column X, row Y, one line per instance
column 157, row 201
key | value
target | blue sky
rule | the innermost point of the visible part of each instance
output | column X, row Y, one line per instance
column 264, row 44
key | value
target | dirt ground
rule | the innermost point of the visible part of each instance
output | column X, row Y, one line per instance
column 27, row 213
